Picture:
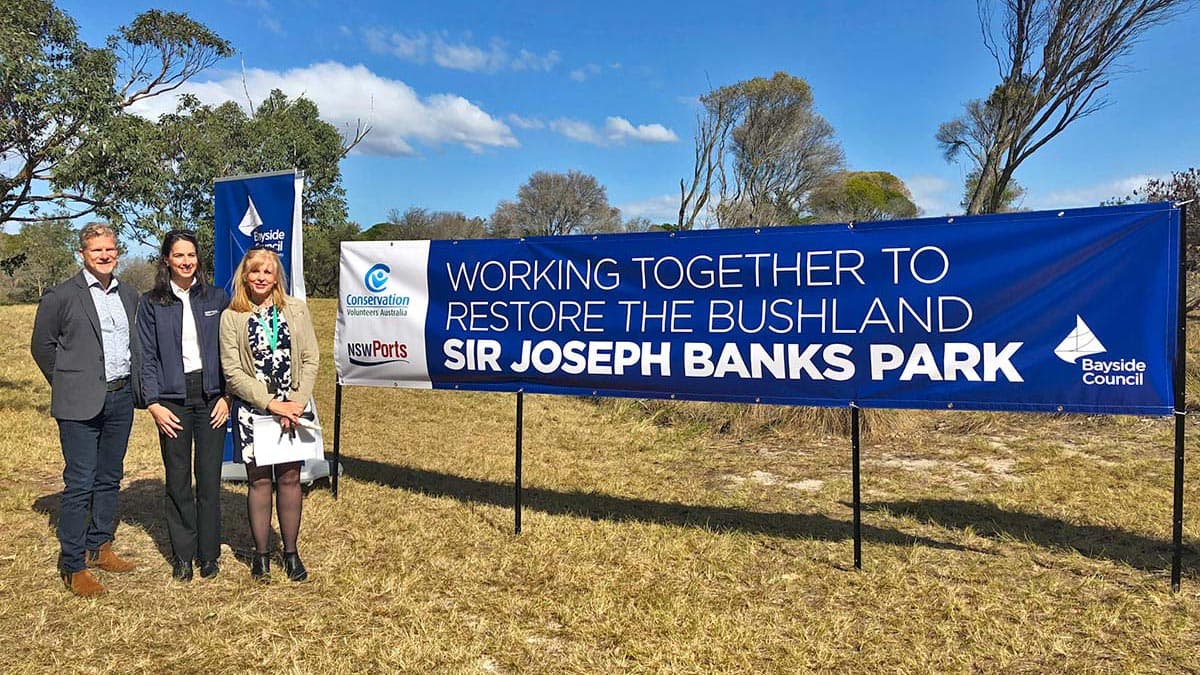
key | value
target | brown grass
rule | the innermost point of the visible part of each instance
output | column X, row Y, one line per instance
column 993, row 543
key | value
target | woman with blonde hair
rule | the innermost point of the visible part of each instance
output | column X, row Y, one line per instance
column 269, row 355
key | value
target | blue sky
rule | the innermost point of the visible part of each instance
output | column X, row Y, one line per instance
column 467, row 99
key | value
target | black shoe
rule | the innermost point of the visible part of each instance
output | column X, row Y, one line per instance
column 260, row 566
column 181, row 570
column 209, row 568
column 294, row 567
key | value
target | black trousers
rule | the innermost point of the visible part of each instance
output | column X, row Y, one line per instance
column 194, row 518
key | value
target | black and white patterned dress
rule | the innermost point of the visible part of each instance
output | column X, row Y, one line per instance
column 272, row 367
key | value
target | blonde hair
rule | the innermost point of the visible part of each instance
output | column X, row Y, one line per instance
column 93, row 230
column 241, row 291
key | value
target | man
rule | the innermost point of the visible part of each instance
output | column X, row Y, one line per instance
column 85, row 344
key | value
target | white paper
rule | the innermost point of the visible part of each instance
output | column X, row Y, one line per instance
column 272, row 446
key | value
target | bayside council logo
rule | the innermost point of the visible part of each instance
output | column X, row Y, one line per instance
column 1081, row 344
column 377, row 301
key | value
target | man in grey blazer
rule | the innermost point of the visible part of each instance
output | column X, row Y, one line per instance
column 85, row 344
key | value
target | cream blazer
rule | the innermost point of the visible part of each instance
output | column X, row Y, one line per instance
column 238, row 362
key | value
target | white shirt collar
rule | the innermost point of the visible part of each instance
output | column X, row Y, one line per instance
column 93, row 281
column 180, row 292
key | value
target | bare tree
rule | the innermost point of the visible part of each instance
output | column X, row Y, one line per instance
column 762, row 145
column 1055, row 58
column 555, row 204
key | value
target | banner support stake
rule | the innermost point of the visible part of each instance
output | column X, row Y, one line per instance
column 1180, row 405
column 337, row 440
column 517, row 481
column 856, row 481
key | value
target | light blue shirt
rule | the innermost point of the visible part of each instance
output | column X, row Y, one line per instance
column 114, row 326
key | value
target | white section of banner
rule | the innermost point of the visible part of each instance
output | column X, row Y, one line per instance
column 383, row 299
column 298, row 287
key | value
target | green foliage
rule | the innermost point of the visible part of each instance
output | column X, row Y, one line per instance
column 60, row 97
column 555, row 204
column 49, row 248
column 1009, row 200
column 417, row 224
column 166, row 170
column 862, row 196
column 322, row 256
column 765, row 148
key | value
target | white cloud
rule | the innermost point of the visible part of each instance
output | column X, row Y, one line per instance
column 617, row 131
column 934, row 195
column 527, row 60
column 398, row 115
column 1087, row 195
column 581, row 74
column 660, row 209
column 576, row 130
column 272, row 25
column 419, row 47
column 526, row 122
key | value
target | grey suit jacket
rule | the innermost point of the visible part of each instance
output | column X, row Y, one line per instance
column 67, row 347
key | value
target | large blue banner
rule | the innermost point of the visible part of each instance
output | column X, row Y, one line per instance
column 1071, row 311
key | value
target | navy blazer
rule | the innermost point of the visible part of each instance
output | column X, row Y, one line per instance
column 161, row 330
column 68, row 348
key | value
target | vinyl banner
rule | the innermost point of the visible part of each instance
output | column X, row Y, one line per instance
column 260, row 210
column 1054, row 311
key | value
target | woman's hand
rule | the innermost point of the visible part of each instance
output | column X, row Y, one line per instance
column 287, row 411
column 220, row 413
column 166, row 421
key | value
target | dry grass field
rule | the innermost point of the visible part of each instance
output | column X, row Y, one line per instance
column 656, row 539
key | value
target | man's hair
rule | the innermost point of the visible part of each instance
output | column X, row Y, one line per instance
column 93, row 230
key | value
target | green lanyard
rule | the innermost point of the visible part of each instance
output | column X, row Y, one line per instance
column 273, row 338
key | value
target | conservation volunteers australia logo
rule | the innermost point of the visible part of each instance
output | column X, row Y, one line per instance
column 377, row 301
column 1081, row 344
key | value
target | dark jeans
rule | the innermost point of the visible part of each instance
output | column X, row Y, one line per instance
column 194, row 518
column 94, row 451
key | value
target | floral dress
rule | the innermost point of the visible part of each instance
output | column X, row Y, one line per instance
column 272, row 366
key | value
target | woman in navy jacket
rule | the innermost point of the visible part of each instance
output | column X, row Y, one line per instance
column 179, row 325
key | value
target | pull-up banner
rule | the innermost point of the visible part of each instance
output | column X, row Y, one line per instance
column 1071, row 311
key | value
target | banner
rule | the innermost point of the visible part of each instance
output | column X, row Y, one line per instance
column 259, row 210
column 263, row 210
column 1072, row 311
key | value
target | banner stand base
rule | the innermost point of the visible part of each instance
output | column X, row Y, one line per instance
column 309, row 471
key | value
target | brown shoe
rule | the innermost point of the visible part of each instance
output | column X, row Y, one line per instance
column 107, row 560
column 83, row 584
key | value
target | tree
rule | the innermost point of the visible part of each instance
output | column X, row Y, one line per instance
column 49, row 248
column 862, row 196
column 59, row 97
column 187, row 149
column 556, row 203
column 1182, row 186
column 1010, row 199
column 322, row 257
column 1055, row 59
column 765, row 147
column 419, row 224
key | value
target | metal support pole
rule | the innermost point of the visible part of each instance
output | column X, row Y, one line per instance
column 517, row 482
column 337, row 440
column 1180, row 405
column 856, row 478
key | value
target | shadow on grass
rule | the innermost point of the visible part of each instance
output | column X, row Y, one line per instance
column 141, row 505
column 24, row 400
column 1093, row 541
column 626, row 509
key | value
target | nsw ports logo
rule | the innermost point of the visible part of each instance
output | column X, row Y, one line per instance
column 377, row 352
column 1081, row 344
column 376, row 278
